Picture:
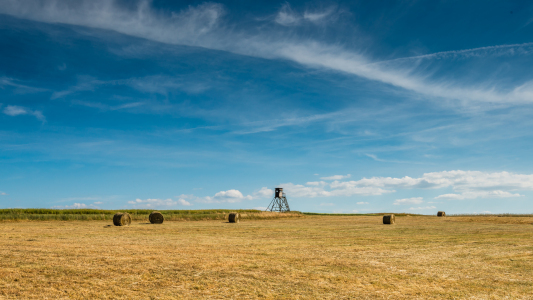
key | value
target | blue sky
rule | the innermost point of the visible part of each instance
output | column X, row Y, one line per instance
column 356, row 106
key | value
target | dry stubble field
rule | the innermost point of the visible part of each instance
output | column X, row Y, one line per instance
column 316, row 257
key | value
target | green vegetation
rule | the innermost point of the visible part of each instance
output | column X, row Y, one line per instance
column 42, row 214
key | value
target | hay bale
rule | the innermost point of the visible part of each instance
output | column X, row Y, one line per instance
column 234, row 217
column 156, row 217
column 122, row 219
column 441, row 214
column 388, row 219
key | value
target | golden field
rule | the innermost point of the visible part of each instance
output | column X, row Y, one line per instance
column 312, row 257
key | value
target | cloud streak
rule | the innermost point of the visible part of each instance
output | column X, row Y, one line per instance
column 204, row 26
column 286, row 16
column 14, row 110
column 336, row 177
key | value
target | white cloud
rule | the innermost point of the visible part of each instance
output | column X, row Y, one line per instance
column 161, row 203
column 286, row 16
column 262, row 208
column 76, row 206
column 156, row 84
column 99, row 202
column 318, row 16
column 480, row 51
column 458, row 180
column 263, row 193
column 336, row 177
column 316, row 183
column 229, row 196
column 422, row 208
column 203, row 26
column 327, row 204
column 2, row 194
column 19, row 88
column 336, row 189
column 153, row 203
column 374, row 157
column 362, row 203
column 81, row 198
column 415, row 200
column 478, row 194
column 13, row 110
column 466, row 184
column 184, row 202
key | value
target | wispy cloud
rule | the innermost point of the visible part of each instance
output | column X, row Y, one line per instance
column 415, row 200
column 317, row 183
column 376, row 158
column 157, row 84
column 19, row 87
column 158, row 203
column 478, row 194
column 106, row 107
column 319, row 15
column 336, row 177
column 76, row 206
column 2, row 193
column 204, row 26
column 229, row 196
column 286, row 16
column 422, row 208
column 13, row 110
column 498, row 50
column 333, row 189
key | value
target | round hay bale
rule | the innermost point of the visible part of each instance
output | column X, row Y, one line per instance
column 156, row 217
column 388, row 219
column 441, row 214
column 234, row 217
column 122, row 219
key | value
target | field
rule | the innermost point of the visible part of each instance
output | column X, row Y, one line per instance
column 43, row 214
column 311, row 257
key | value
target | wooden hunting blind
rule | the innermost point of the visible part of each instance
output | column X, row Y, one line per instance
column 279, row 203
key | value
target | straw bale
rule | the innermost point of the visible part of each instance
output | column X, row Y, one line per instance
column 122, row 219
column 156, row 217
column 234, row 217
column 441, row 214
column 388, row 219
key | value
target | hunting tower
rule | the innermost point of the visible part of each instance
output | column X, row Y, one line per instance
column 279, row 203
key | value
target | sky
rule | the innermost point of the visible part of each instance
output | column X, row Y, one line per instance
column 350, row 106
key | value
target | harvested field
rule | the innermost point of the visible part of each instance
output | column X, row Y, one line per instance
column 314, row 257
